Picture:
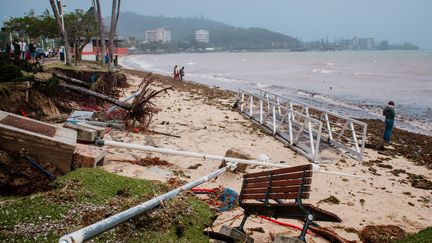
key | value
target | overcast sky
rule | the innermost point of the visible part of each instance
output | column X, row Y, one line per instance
column 393, row 20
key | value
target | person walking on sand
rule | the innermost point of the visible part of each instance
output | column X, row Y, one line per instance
column 182, row 73
column 176, row 73
column 390, row 115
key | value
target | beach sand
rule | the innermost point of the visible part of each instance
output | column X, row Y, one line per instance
column 205, row 121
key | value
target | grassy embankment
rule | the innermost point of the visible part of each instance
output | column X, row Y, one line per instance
column 85, row 196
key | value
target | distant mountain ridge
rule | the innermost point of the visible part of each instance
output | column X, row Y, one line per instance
column 183, row 29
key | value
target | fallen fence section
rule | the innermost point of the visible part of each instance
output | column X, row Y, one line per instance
column 299, row 131
column 340, row 131
column 108, row 223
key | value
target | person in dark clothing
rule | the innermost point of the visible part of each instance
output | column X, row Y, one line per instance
column 182, row 73
column 17, row 49
column 390, row 115
column 32, row 49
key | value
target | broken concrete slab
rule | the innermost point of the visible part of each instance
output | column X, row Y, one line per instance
column 39, row 140
column 88, row 156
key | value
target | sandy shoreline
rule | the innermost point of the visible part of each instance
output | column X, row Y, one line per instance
column 203, row 118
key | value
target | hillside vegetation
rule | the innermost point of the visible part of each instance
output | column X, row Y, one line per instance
column 221, row 35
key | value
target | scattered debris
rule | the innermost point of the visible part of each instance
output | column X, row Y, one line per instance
column 381, row 233
column 257, row 229
column 194, row 167
column 234, row 153
column 147, row 161
column 331, row 200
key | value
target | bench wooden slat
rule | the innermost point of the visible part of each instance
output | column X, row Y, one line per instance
column 280, row 171
column 275, row 196
column 279, row 177
column 276, row 189
column 293, row 182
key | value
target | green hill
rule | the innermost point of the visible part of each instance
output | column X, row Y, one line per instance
column 221, row 35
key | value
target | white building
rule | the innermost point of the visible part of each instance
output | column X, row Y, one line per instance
column 159, row 34
column 202, row 36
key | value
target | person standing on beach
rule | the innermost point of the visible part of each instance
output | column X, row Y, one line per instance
column 182, row 73
column 390, row 115
column 176, row 73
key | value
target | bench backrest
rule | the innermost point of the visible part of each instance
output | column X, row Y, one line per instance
column 277, row 184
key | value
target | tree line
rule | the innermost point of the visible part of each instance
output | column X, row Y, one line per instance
column 76, row 32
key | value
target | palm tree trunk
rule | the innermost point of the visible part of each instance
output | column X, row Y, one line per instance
column 101, row 31
column 114, row 19
column 56, row 7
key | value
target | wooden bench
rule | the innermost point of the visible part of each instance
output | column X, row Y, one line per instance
column 279, row 193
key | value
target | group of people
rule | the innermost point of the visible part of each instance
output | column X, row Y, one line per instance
column 178, row 73
column 21, row 50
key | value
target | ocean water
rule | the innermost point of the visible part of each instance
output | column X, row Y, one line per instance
column 354, row 83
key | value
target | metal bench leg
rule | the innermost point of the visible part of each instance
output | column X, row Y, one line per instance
column 305, row 227
column 246, row 215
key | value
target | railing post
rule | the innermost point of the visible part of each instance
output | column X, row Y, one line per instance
column 291, row 107
column 311, row 138
column 278, row 103
column 251, row 106
column 363, row 141
column 290, row 127
column 354, row 137
column 242, row 101
column 328, row 126
column 274, row 119
column 261, row 111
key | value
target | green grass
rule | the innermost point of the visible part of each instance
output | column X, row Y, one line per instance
column 424, row 236
column 49, row 215
column 103, row 185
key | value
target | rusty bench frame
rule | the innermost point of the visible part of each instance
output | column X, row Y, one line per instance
column 278, row 185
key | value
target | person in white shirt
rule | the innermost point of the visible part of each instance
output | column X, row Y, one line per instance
column 23, row 50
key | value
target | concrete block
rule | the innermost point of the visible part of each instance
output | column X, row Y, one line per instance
column 286, row 239
column 84, row 133
column 41, row 141
column 100, row 131
column 88, row 156
column 236, row 234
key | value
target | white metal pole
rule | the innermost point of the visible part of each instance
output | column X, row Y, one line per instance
column 185, row 153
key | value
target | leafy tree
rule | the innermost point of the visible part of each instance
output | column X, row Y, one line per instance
column 81, row 27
